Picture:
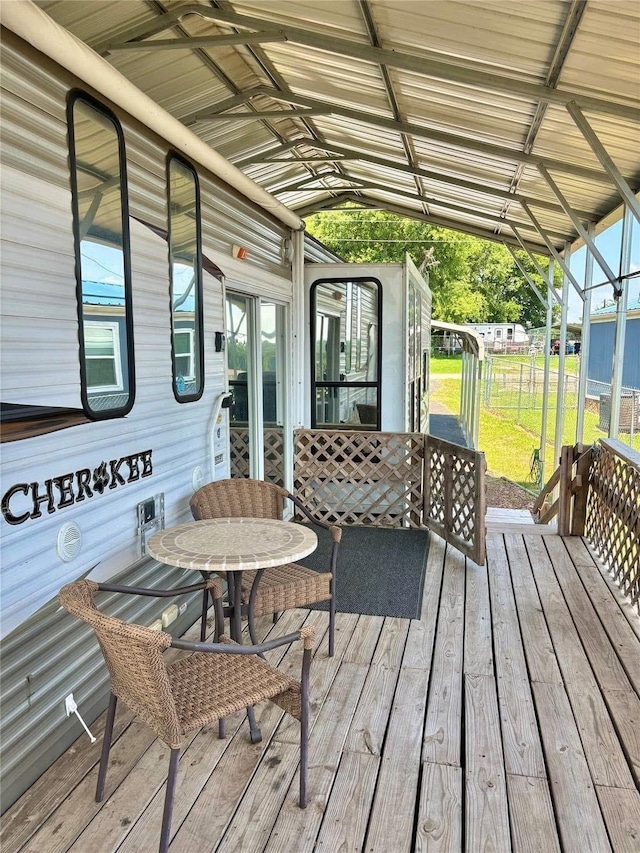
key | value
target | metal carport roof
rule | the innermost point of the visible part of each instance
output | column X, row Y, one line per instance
column 518, row 121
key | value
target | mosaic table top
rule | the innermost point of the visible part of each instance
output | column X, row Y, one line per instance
column 232, row 544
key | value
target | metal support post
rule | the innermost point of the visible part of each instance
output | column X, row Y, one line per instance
column 559, row 426
column 547, row 370
column 585, row 341
column 622, row 298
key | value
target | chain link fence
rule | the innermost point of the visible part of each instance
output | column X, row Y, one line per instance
column 518, row 386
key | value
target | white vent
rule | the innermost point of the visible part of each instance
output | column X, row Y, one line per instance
column 69, row 541
column 197, row 478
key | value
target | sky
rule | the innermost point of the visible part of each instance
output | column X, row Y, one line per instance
column 609, row 244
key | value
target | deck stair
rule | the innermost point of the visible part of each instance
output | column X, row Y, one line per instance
column 504, row 520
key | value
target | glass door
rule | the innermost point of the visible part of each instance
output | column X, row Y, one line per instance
column 256, row 363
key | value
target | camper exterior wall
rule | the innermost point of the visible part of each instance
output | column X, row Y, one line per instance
column 45, row 655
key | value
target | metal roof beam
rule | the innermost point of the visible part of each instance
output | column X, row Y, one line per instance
column 270, row 152
column 609, row 166
column 526, row 275
column 407, row 212
column 543, row 275
column 192, row 42
column 350, row 154
column 556, row 255
column 259, row 115
column 604, row 266
column 501, row 152
column 428, row 200
column 389, row 88
column 429, row 67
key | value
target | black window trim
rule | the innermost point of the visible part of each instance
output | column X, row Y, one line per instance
column 73, row 97
column 314, row 383
column 199, row 320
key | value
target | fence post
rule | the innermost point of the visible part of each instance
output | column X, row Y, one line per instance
column 519, row 395
column 565, row 494
column 583, row 467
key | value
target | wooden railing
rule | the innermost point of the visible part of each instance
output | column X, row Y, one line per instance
column 599, row 497
column 613, row 513
column 394, row 480
column 571, row 480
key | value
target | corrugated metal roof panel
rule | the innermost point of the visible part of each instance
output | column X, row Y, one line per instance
column 431, row 107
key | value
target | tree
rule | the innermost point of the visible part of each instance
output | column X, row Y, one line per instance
column 472, row 280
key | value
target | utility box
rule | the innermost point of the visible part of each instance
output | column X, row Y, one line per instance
column 367, row 347
column 629, row 412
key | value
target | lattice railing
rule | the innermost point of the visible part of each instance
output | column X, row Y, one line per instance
column 393, row 479
column 273, row 453
column 613, row 513
column 454, row 495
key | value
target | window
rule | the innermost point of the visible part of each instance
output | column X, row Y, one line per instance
column 103, row 264
column 183, row 342
column 185, row 270
column 102, row 357
column 346, row 352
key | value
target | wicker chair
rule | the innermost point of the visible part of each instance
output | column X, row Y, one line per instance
column 282, row 587
column 218, row 679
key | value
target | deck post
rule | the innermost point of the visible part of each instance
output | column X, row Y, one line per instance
column 585, row 340
column 547, row 370
column 559, row 426
column 622, row 297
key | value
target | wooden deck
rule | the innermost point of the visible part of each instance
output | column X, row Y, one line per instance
column 506, row 718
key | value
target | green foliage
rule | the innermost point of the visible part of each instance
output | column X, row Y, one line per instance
column 472, row 280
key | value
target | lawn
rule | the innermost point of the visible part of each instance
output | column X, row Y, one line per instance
column 509, row 441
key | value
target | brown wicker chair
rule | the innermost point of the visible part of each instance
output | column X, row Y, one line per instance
column 281, row 587
column 218, row 679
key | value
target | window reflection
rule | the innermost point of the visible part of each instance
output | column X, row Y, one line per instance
column 102, row 245
column 186, row 283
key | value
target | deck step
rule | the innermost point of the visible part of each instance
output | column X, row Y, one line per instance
column 516, row 520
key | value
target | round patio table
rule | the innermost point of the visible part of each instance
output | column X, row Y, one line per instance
column 233, row 545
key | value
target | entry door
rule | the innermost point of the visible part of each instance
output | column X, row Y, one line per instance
column 256, row 363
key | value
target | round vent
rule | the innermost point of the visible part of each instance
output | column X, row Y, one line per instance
column 197, row 478
column 69, row 541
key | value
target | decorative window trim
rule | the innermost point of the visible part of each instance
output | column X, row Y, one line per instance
column 74, row 97
column 197, row 343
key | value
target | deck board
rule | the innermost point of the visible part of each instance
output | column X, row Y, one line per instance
column 506, row 717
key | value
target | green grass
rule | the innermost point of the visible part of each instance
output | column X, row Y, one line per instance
column 508, row 444
column 440, row 364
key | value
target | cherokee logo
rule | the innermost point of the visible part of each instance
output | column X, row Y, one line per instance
column 74, row 487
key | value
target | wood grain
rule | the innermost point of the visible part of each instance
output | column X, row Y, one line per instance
column 439, row 820
column 444, row 711
column 580, row 824
column 486, row 813
column 533, row 826
column 522, row 747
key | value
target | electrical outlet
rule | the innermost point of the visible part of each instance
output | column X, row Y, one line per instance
column 148, row 510
column 169, row 615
